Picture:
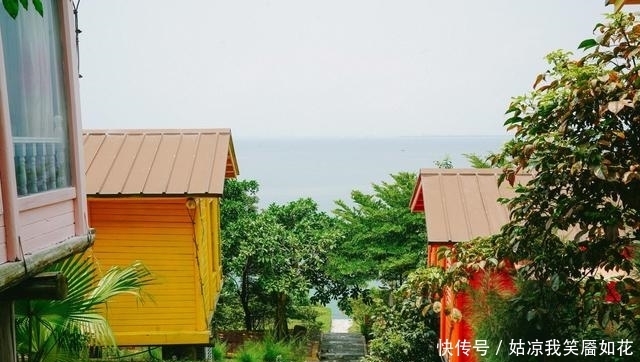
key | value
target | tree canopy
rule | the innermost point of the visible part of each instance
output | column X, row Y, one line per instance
column 578, row 132
column 382, row 239
column 273, row 257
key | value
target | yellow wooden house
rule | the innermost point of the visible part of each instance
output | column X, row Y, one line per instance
column 154, row 196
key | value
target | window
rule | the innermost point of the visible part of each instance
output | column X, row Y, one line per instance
column 37, row 99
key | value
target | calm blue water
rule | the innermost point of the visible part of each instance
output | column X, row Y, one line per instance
column 329, row 169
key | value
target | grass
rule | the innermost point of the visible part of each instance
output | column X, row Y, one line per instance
column 355, row 327
column 249, row 352
column 323, row 318
column 219, row 351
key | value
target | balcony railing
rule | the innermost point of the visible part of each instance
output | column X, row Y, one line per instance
column 41, row 164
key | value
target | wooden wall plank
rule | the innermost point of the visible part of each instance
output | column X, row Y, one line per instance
column 43, row 240
column 160, row 233
column 42, row 226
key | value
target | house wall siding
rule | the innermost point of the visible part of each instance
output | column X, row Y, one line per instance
column 41, row 226
column 160, row 233
column 208, row 238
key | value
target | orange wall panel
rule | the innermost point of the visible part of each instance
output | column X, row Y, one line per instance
column 160, row 233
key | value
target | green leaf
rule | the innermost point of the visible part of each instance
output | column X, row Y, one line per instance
column 600, row 172
column 37, row 4
column 604, row 320
column 587, row 43
column 599, row 25
column 531, row 315
column 12, row 7
column 25, row 4
column 555, row 282
column 512, row 120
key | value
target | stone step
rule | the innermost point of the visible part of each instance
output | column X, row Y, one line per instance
column 342, row 347
column 344, row 351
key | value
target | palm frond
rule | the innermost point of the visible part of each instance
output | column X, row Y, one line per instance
column 119, row 280
column 60, row 330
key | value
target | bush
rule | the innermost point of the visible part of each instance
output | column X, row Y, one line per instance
column 361, row 314
column 274, row 351
column 219, row 351
column 270, row 350
column 249, row 352
column 502, row 317
column 406, row 330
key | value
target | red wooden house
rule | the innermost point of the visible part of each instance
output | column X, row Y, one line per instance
column 460, row 205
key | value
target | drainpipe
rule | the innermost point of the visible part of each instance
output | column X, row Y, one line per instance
column 7, row 171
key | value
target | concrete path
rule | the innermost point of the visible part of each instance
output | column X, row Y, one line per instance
column 341, row 325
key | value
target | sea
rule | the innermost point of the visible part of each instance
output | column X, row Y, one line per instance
column 328, row 169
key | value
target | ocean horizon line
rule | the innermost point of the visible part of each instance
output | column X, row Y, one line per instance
column 367, row 137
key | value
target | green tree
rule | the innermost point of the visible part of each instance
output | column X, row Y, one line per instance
column 273, row 257
column 578, row 132
column 310, row 237
column 62, row 330
column 382, row 239
column 240, row 200
column 261, row 268
column 477, row 161
column 239, row 208
column 444, row 163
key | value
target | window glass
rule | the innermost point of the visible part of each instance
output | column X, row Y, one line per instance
column 37, row 107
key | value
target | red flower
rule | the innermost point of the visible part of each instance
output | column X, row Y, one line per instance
column 613, row 296
column 627, row 252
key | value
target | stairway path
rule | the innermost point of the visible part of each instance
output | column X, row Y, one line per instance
column 342, row 347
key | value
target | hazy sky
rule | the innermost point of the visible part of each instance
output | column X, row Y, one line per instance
column 319, row 68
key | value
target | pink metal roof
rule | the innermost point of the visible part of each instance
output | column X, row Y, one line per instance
column 461, row 204
column 158, row 162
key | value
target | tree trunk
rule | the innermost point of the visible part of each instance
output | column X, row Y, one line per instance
column 280, row 325
column 244, row 299
column 7, row 331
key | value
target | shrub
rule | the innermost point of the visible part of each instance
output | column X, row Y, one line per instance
column 219, row 351
column 249, row 352
column 270, row 350
column 406, row 330
column 274, row 351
